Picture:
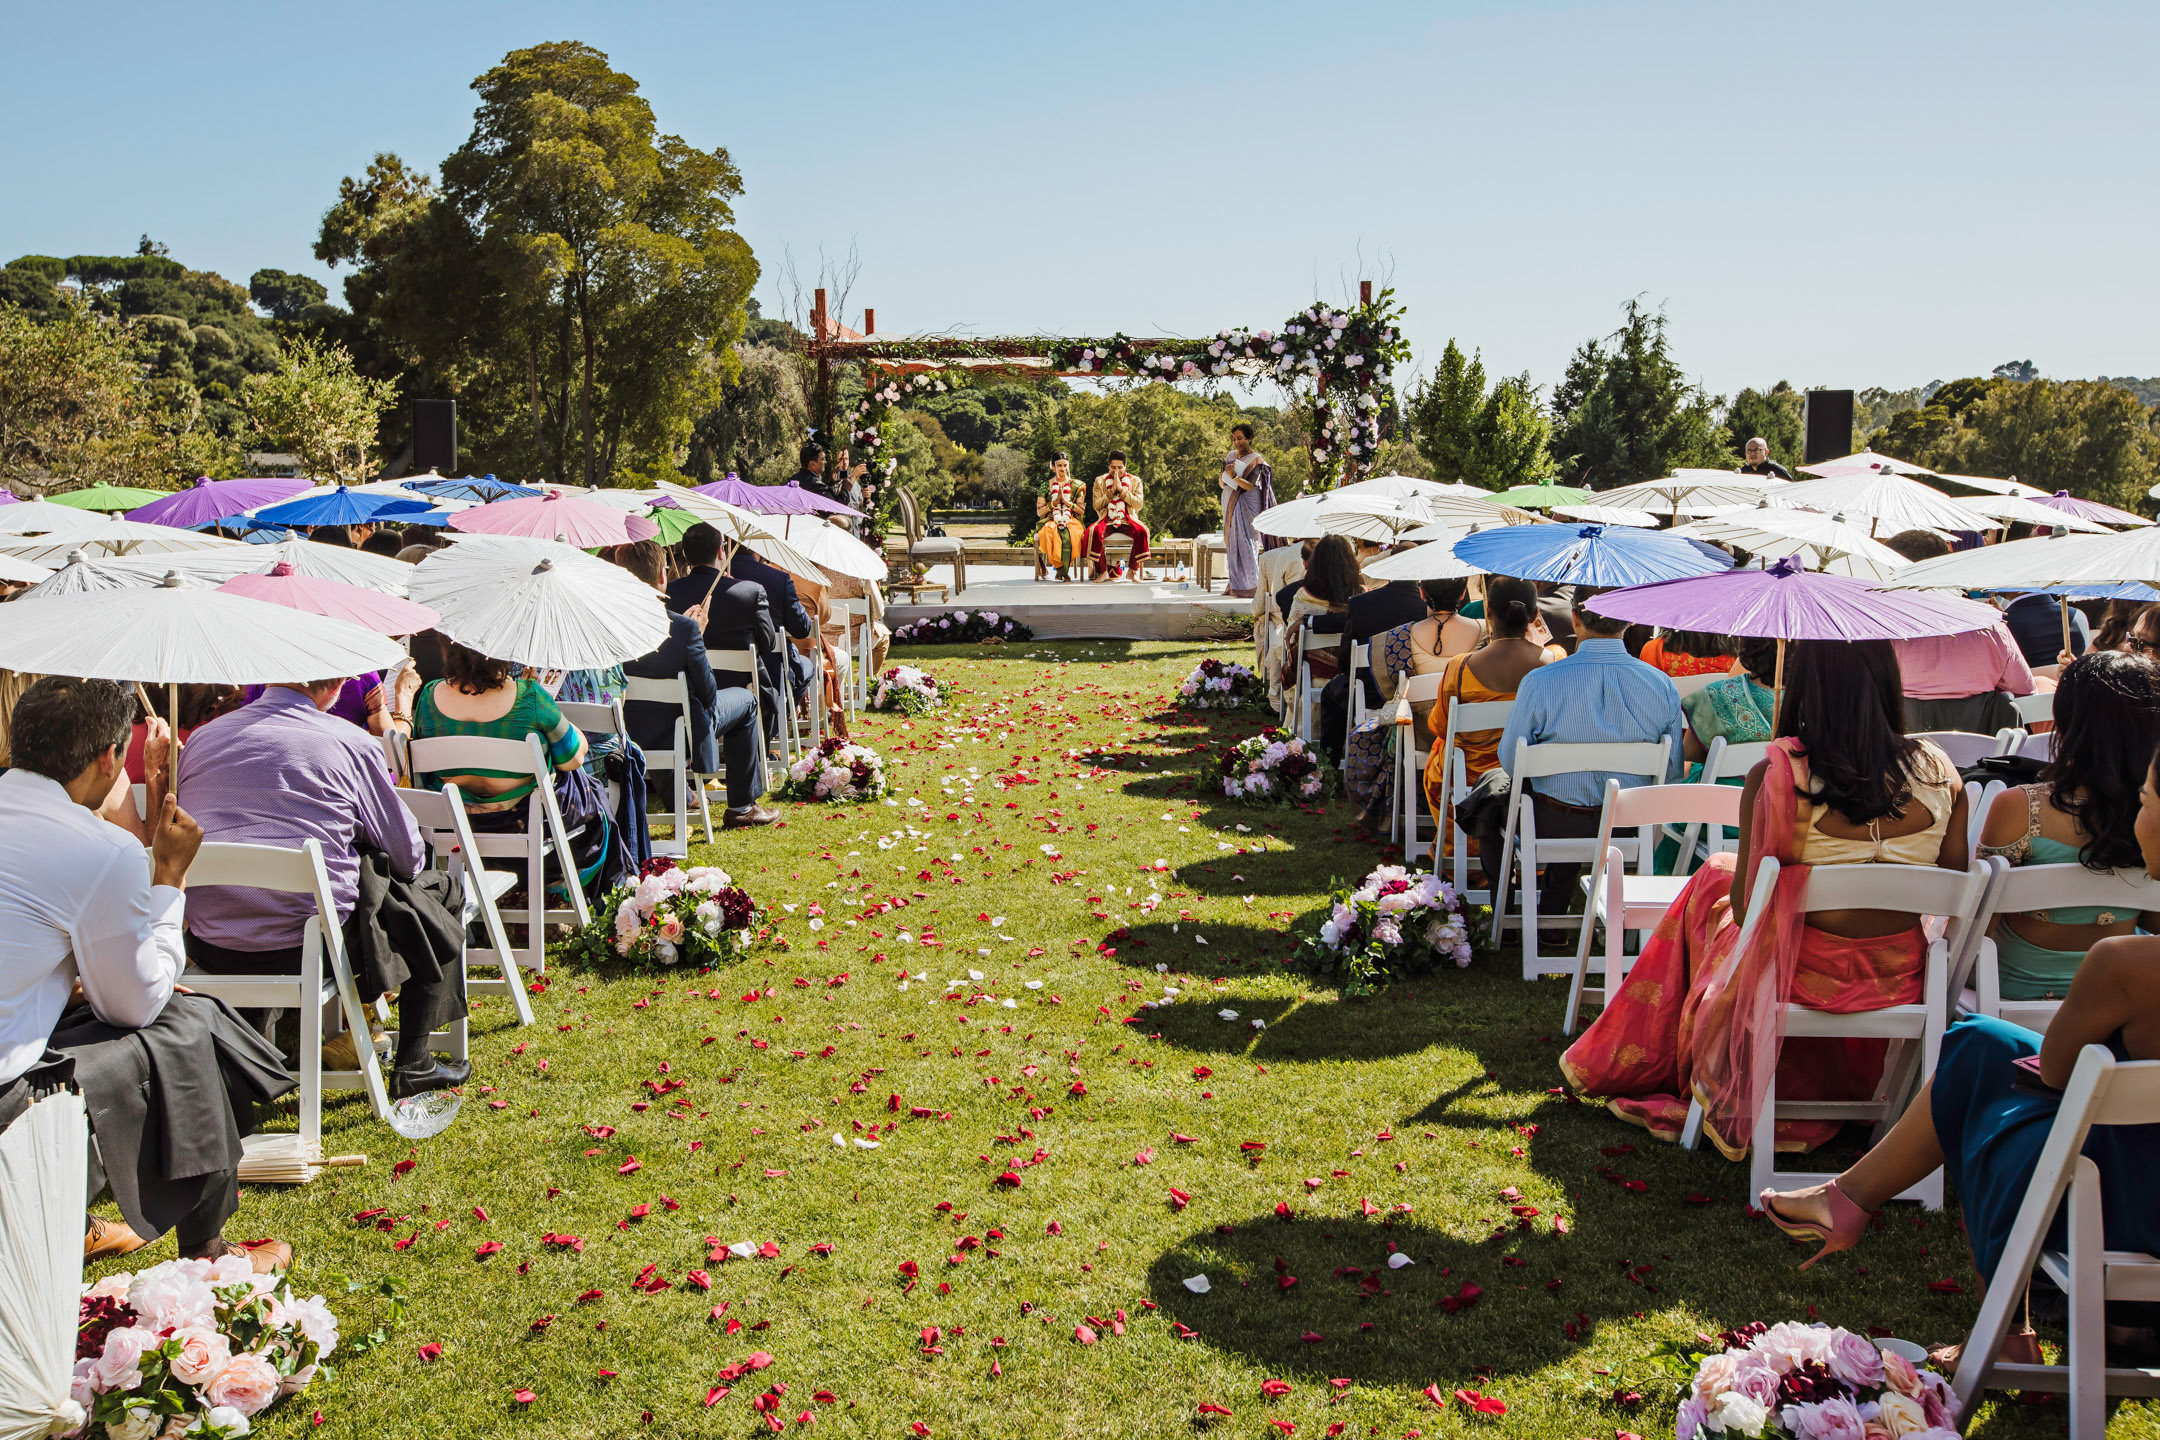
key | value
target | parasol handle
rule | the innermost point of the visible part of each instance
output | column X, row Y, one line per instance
column 2064, row 601
column 343, row 1162
column 1777, row 690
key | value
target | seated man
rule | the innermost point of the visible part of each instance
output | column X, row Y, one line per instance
column 1118, row 496
column 736, row 614
column 788, row 612
column 79, row 907
column 283, row 771
column 1598, row 694
column 1958, row 682
column 730, row 715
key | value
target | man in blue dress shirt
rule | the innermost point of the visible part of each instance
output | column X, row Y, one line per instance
column 1599, row 694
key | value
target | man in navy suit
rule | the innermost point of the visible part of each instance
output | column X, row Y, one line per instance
column 1373, row 613
column 788, row 612
column 737, row 615
column 720, row 720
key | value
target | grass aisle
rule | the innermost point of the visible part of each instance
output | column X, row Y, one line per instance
column 646, row 1120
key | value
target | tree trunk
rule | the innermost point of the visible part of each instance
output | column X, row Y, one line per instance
column 532, row 385
column 585, row 393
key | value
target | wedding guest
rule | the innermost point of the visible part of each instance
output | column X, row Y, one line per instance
column 1958, row 682
column 737, row 615
column 171, row 1078
column 1061, row 540
column 1758, row 461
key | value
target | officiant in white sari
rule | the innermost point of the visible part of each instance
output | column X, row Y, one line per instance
column 1248, row 487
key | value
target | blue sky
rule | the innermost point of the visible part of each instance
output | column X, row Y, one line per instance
column 1830, row 194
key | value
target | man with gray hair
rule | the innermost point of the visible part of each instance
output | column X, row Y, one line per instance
column 1759, row 461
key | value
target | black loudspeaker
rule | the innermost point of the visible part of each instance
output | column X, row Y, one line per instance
column 1827, row 420
column 434, row 435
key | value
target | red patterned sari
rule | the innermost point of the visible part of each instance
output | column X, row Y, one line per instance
column 1687, row 1022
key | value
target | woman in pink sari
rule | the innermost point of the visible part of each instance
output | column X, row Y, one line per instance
column 1692, row 1019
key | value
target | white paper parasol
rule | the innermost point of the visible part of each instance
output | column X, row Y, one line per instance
column 1773, row 530
column 22, row 572
column 1887, row 502
column 42, row 517
column 112, row 537
column 1865, row 460
column 2037, row 564
column 1433, row 560
column 1607, row 515
column 1686, row 492
column 43, row 1160
column 1369, row 515
column 540, row 603
column 833, row 548
column 2016, row 509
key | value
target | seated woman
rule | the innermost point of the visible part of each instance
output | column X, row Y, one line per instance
column 1331, row 578
column 1689, row 652
column 477, row 696
column 1736, row 708
column 2083, row 811
column 1842, row 787
column 1422, row 647
column 1986, row 1130
column 1512, row 649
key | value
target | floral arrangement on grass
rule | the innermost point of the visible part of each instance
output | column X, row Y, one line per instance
column 1220, row 685
column 1395, row 923
column 193, row 1346
column 909, row 691
column 1275, row 768
column 836, row 771
column 960, row 628
column 1809, row 1382
column 670, row 915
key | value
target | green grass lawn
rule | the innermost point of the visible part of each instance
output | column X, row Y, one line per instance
column 1413, row 1123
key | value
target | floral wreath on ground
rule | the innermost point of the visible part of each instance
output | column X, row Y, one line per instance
column 1275, row 768
column 960, row 627
column 837, row 772
column 1348, row 354
column 670, row 915
column 1394, row 924
column 1809, row 1382
column 1220, row 685
column 907, row 690
column 198, row 1346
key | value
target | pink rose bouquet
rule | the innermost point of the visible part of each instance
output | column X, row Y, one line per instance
column 1811, row 1382
column 199, row 1346
column 1396, row 922
column 1220, row 685
column 837, row 772
column 907, row 691
column 1276, row 768
column 670, row 915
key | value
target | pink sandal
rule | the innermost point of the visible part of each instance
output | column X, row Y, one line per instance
column 1845, row 1229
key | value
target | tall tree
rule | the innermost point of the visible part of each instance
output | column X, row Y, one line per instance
column 73, row 408
column 2085, row 436
column 576, row 278
column 1638, row 415
column 1444, row 413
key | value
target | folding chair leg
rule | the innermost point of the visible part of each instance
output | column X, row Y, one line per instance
column 1762, row 1147
column 704, row 806
column 311, row 1043
column 1691, row 1132
column 2088, row 1303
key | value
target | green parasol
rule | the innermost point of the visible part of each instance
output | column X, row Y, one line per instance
column 1539, row 497
column 108, row 497
column 672, row 522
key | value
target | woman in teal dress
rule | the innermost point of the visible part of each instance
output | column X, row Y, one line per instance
column 2083, row 811
column 1737, row 708
column 1985, row 1126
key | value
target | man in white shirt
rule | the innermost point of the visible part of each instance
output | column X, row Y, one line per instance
column 91, row 953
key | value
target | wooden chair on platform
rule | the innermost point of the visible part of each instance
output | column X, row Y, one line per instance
column 925, row 550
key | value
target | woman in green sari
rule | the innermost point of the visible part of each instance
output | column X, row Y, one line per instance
column 1737, row 708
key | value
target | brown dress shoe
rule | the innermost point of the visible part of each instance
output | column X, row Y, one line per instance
column 744, row 819
column 266, row 1255
column 108, row 1240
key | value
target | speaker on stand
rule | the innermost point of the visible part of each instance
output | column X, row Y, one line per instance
column 435, row 436
column 1826, row 420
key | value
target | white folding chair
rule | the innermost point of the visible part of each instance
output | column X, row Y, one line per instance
column 1354, row 698
column 857, row 649
column 1620, row 902
column 1523, row 852
column 1724, row 761
column 677, row 760
column 1917, row 890
column 1464, row 717
column 1305, row 698
column 1688, row 684
column 2102, row 1091
column 544, row 833
column 1963, row 746
column 2020, row 889
column 2035, row 709
column 440, row 814
column 1978, row 799
column 2025, row 744
column 1412, row 746
column 743, row 663
column 595, row 722
column 296, row 872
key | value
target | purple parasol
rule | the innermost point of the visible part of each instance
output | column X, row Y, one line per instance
column 207, row 501
column 788, row 499
column 2091, row 510
column 1786, row 602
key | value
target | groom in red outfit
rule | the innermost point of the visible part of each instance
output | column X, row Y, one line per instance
column 1117, row 508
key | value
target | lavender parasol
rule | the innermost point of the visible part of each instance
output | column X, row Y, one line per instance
column 206, row 501
column 788, row 499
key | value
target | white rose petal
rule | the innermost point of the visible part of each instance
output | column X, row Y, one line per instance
column 1034, row 984
column 1398, row 1260
column 1226, row 1014
column 743, row 1249
column 1198, row 1284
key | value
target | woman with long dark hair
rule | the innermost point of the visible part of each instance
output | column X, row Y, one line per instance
column 1841, row 786
column 1493, row 671
column 1331, row 578
column 1418, row 648
column 2083, row 810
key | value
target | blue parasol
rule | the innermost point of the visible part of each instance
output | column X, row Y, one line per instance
column 343, row 507
column 1602, row 555
column 483, row 488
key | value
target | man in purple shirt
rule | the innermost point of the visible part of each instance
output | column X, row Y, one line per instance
column 282, row 771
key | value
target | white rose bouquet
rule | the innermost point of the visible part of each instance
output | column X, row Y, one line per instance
column 669, row 915
column 1220, row 685
column 1396, row 922
column 907, row 691
column 836, row 772
column 1812, row 1382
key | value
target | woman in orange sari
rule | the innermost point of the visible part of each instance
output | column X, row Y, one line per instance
column 1695, row 1019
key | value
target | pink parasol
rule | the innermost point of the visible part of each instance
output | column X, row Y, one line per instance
column 206, row 500
column 369, row 609
column 572, row 519
column 2091, row 510
column 1788, row 602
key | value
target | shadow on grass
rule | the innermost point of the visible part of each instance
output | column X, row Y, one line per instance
column 1348, row 1315
column 1313, row 1028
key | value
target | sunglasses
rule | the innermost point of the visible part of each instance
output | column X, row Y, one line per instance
column 2141, row 647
